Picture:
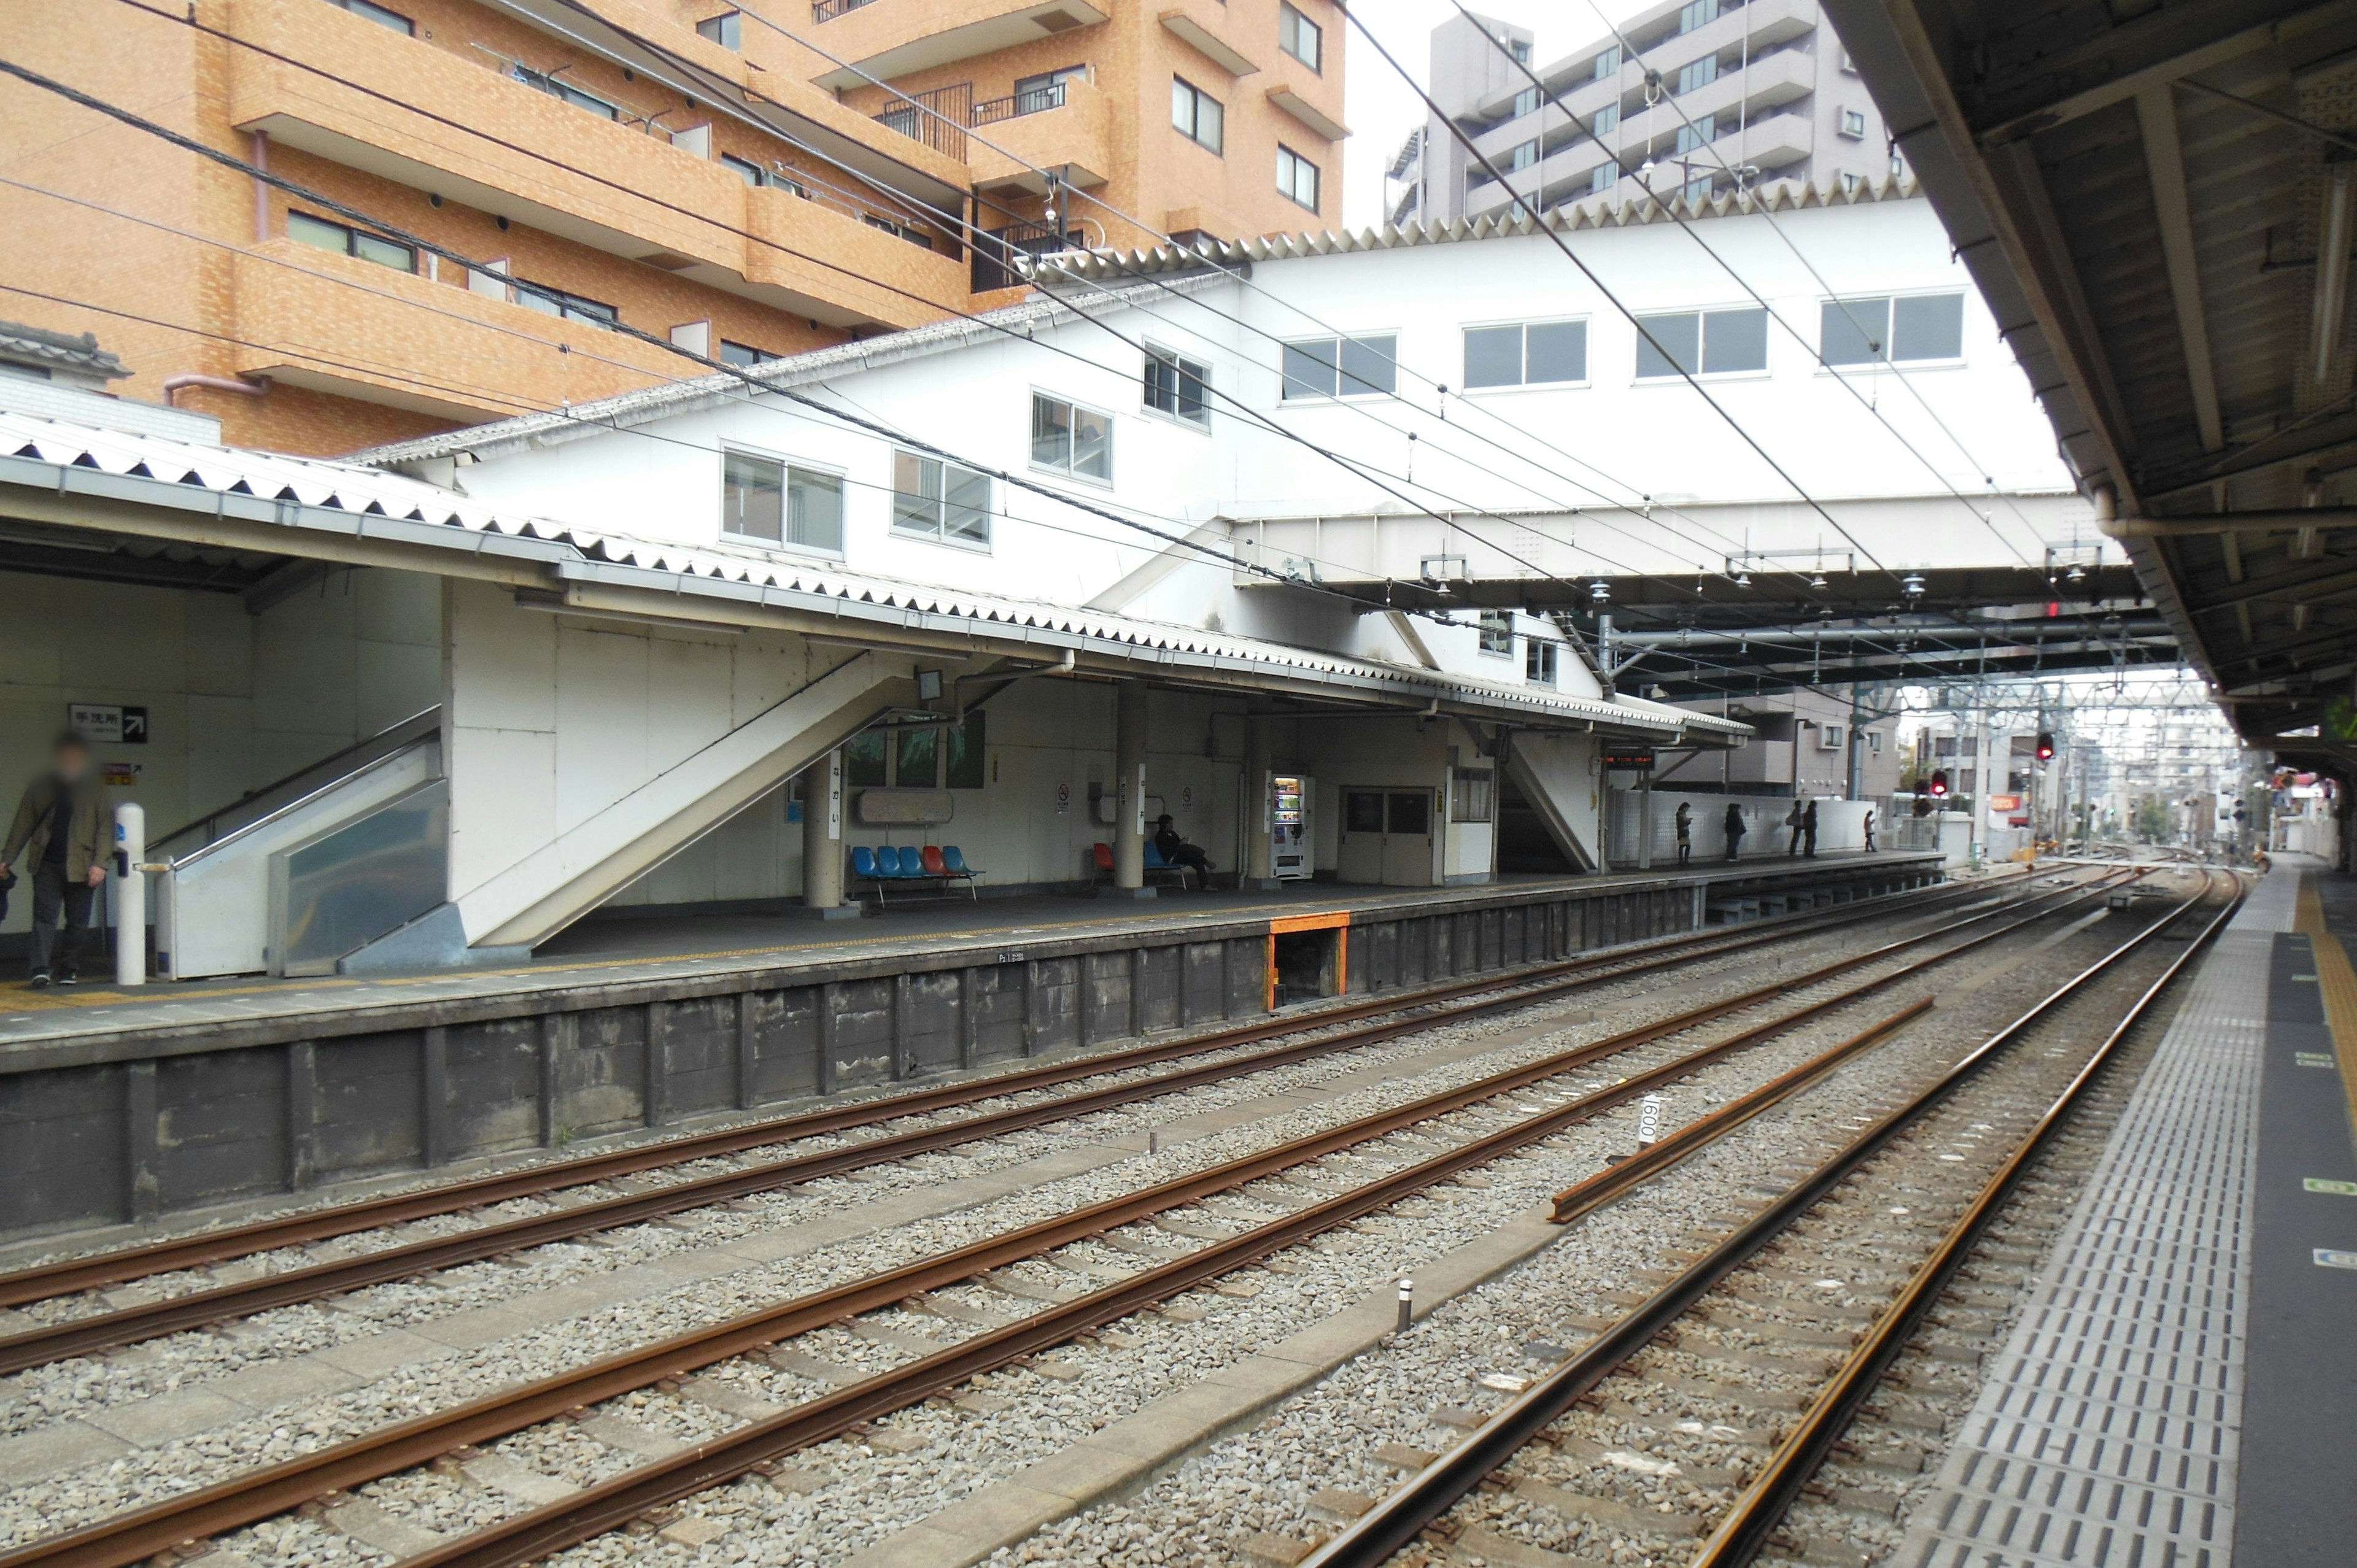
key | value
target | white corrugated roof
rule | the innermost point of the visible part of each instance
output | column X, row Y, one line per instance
column 343, row 499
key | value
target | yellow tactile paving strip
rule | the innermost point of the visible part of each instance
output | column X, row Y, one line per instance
column 2337, row 978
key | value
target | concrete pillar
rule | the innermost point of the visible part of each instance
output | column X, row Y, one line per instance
column 1259, row 763
column 1129, row 785
column 823, row 840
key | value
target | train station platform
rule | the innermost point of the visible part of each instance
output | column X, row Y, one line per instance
column 124, row 1105
column 2181, row 1388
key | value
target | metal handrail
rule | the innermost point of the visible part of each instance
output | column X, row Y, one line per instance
column 1038, row 100
column 248, row 830
column 300, row 784
column 828, row 10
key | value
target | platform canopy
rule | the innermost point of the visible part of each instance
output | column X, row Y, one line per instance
column 2158, row 202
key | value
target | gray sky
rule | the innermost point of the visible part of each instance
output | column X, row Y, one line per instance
column 1380, row 108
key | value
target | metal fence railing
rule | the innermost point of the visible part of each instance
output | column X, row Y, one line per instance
column 828, row 10
column 944, row 128
column 1037, row 101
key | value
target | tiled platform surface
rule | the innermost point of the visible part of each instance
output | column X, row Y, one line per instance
column 2109, row 1432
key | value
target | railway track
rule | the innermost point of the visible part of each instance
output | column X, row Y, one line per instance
column 1759, row 1309
column 1497, row 1126
column 1340, row 1030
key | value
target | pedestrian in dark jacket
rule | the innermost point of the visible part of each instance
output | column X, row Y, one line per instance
column 1686, row 833
column 58, row 839
column 1177, row 851
column 1809, row 829
column 1869, row 830
column 1795, row 820
column 1734, row 829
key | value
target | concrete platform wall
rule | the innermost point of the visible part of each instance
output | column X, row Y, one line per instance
column 110, row 1127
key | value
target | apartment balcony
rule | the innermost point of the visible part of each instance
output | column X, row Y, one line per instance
column 1768, row 144
column 338, row 324
column 1066, row 128
column 886, row 39
column 1771, row 24
column 869, row 269
column 522, row 167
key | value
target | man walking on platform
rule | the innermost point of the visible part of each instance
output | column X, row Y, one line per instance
column 1685, row 834
column 1734, row 830
column 58, row 832
column 1793, row 822
column 1809, row 829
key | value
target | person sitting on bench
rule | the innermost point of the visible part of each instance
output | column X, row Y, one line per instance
column 1175, row 851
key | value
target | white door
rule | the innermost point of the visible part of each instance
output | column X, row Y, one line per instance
column 1411, row 825
column 1359, row 848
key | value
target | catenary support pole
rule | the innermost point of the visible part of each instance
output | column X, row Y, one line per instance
column 130, row 896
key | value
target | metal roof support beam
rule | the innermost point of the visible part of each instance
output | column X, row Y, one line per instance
column 2122, row 61
column 2164, row 158
column 2211, row 524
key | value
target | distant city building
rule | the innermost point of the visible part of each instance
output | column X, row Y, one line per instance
column 1703, row 96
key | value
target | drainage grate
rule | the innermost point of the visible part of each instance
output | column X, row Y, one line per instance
column 2106, row 1437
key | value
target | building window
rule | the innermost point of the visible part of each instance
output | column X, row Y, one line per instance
column 917, row 762
column 1698, row 73
column 864, row 760
column 1850, row 182
column 777, row 503
column 1873, row 739
column 745, row 170
column 377, row 14
column 556, row 87
column 727, row 29
column 1853, row 123
column 569, row 306
column 1469, row 794
column 1296, row 178
column 1197, row 116
column 1697, row 191
column 1697, row 13
column 1876, row 331
column 914, row 236
column 743, row 354
column 1527, row 102
column 1522, row 156
column 1608, row 64
column 1521, row 49
column 1702, row 342
column 1538, row 661
column 1497, row 636
column 1176, row 386
column 1345, row 366
column 1525, row 355
column 1699, row 132
column 1299, row 36
column 1070, row 439
column 940, row 502
column 1608, row 119
column 1037, row 95
column 1604, row 178
column 323, row 235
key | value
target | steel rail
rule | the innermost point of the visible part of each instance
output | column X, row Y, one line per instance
column 1402, row 1515
column 136, row 1535
column 42, row 1282
column 172, row 1314
column 1746, row 1529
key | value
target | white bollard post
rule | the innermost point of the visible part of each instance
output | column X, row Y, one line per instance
column 130, row 896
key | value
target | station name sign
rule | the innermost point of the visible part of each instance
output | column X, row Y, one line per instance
column 1629, row 758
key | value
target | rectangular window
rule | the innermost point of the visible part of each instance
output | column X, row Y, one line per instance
column 1070, row 439
column 940, row 500
column 1853, row 123
column 864, row 760
column 1698, row 73
column 1469, row 793
column 1608, row 64
column 320, row 234
column 1037, row 95
column 1296, row 178
column 377, row 14
column 1538, row 661
column 1872, row 331
column 1698, row 133
column 763, row 498
column 1528, row 355
column 727, row 29
column 1176, row 387
column 1197, row 116
column 964, row 765
column 1709, row 342
column 1522, row 156
column 570, row 306
column 1497, row 633
column 745, row 170
column 1697, row 13
column 914, row 236
column 1608, row 119
column 556, row 87
column 1298, row 36
column 1527, row 102
column 744, row 354
column 1606, row 177
column 1347, row 367
column 918, row 762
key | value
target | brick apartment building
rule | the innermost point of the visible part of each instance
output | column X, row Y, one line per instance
column 743, row 182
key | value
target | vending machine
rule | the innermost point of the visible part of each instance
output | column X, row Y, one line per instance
column 1291, row 846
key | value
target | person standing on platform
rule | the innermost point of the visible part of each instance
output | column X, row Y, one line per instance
column 1734, row 830
column 1808, row 829
column 1793, row 820
column 1869, row 830
column 1685, row 834
column 59, row 831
